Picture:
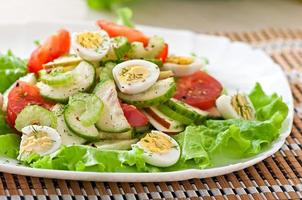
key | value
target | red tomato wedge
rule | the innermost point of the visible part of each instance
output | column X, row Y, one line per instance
column 55, row 46
column 115, row 30
column 199, row 89
column 134, row 117
column 20, row 96
column 164, row 53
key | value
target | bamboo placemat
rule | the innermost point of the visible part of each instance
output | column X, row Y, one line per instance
column 277, row 177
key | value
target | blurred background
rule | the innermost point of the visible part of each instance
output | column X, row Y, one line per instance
column 198, row 15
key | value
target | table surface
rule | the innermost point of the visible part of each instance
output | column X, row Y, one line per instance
column 197, row 15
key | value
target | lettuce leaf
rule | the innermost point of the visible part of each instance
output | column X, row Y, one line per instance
column 4, row 128
column 9, row 145
column 267, row 105
column 124, row 16
column 84, row 158
column 219, row 142
column 11, row 68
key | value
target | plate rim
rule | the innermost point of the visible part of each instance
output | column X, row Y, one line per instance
column 145, row 176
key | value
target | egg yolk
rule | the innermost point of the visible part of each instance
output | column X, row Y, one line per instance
column 133, row 74
column 180, row 60
column 156, row 143
column 241, row 105
column 89, row 40
column 37, row 141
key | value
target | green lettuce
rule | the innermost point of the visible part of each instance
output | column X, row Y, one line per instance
column 4, row 128
column 11, row 69
column 84, row 158
column 219, row 142
column 9, row 145
column 124, row 16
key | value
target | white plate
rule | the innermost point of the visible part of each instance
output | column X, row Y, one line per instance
column 235, row 64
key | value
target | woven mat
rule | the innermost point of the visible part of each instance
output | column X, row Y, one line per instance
column 277, row 177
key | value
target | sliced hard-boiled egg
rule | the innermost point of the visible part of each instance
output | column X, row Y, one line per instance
column 237, row 106
column 42, row 140
column 135, row 76
column 91, row 45
column 183, row 65
column 159, row 149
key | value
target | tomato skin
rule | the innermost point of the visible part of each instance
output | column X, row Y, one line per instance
column 55, row 46
column 115, row 30
column 164, row 53
column 20, row 96
column 134, row 117
column 199, row 89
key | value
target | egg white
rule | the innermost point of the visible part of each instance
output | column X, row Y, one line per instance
column 52, row 133
column 184, row 70
column 224, row 106
column 91, row 54
column 139, row 86
column 166, row 159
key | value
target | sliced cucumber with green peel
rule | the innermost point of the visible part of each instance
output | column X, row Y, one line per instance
column 174, row 115
column 141, row 129
column 83, row 80
column 35, row 115
column 120, row 46
column 186, row 110
column 106, row 71
column 56, row 77
column 174, row 128
column 93, row 107
column 112, row 119
column 115, row 144
column 72, row 116
column 67, row 136
column 160, row 92
column 127, row 135
column 138, row 51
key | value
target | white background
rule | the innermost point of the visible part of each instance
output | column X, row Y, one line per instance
column 198, row 15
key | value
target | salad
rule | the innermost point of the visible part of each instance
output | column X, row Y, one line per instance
column 114, row 100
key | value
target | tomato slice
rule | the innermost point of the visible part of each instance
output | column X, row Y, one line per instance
column 199, row 89
column 115, row 30
column 55, row 46
column 20, row 96
column 134, row 117
column 164, row 53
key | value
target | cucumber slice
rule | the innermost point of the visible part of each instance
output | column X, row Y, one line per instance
column 138, row 51
column 164, row 120
column 83, row 80
column 115, row 144
column 160, row 92
column 106, row 72
column 141, row 129
column 93, row 107
column 120, row 46
column 72, row 116
column 66, row 61
column 127, row 135
column 186, row 110
column 57, row 76
column 35, row 115
column 174, row 115
column 158, row 126
column 67, row 136
column 112, row 119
